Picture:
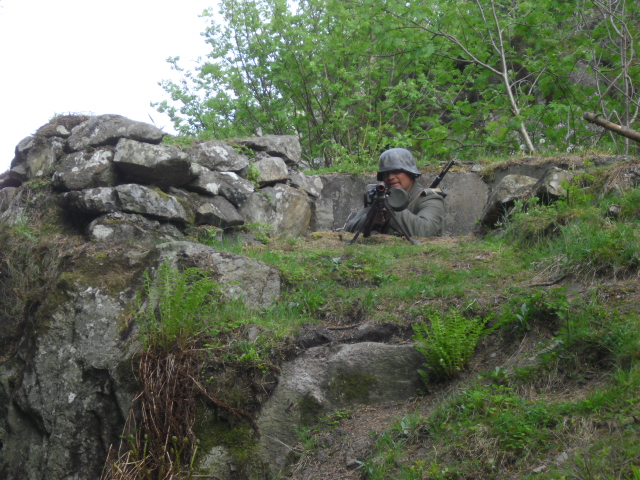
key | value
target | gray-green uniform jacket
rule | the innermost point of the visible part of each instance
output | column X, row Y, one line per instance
column 424, row 217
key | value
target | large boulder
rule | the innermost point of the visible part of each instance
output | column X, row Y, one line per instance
column 130, row 198
column 344, row 194
column 43, row 156
column 286, row 147
column 325, row 379
column 108, row 129
column 92, row 201
column 64, row 403
column 7, row 194
column 12, row 178
column 311, row 185
column 283, row 207
column 207, row 182
column 161, row 165
column 22, row 149
column 218, row 212
column 132, row 228
column 503, row 198
column 270, row 170
column 235, row 189
column 255, row 283
column 61, row 126
column 81, row 170
column 466, row 197
column 551, row 186
column 322, row 218
column 218, row 155
column 152, row 202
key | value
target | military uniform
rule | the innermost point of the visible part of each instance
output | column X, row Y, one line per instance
column 422, row 218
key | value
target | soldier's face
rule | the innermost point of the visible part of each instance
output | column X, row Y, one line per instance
column 398, row 179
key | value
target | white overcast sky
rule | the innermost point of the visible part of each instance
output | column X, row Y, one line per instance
column 90, row 56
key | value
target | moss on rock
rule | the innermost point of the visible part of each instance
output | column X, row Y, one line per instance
column 350, row 387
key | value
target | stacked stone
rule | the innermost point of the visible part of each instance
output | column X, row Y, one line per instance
column 115, row 170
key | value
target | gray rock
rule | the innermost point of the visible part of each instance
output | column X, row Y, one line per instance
column 93, row 201
column 207, row 182
column 255, row 283
column 7, row 194
column 218, row 212
column 218, row 463
column 286, row 147
column 346, row 193
column 108, row 129
column 550, row 187
column 312, row 185
column 43, row 156
column 20, row 172
column 13, row 177
column 218, row 155
column 132, row 228
column 82, row 170
column 14, row 209
column 326, row 379
column 235, row 189
column 281, row 206
column 503, row 197
column 61, row 126
column 135, row 198
column 466, row 198
column 322, row 219
column 271, row 170
column 161, row 165
column 21, row 150
column 71, row 399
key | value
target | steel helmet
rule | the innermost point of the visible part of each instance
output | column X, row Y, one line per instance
column 397, row 159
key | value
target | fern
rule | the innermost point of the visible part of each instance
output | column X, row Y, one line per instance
column 448, row 342
column 180, row 304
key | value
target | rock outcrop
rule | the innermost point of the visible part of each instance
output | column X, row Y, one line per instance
column 326, row 379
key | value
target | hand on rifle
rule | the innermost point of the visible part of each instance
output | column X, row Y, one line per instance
column 381, row 217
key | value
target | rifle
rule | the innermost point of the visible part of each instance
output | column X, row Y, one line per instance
column 382, row 200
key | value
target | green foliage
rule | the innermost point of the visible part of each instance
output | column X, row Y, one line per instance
column 444, row 79
column 448, row 342
column 253, row 174
column 179, row 305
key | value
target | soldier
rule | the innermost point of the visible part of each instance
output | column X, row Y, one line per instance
column 424, row 215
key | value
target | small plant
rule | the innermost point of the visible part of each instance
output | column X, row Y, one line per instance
column 180, row 304
column 448, row 342
column 253, row 174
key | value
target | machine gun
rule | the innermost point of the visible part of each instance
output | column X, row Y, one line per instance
column 383, row 201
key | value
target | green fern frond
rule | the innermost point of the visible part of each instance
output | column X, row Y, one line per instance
column 448, row 341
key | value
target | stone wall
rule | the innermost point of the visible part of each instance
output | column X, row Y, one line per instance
column 116, row 174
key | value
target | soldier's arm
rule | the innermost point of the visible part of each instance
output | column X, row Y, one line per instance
column 428, row 219
column 352, row 224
